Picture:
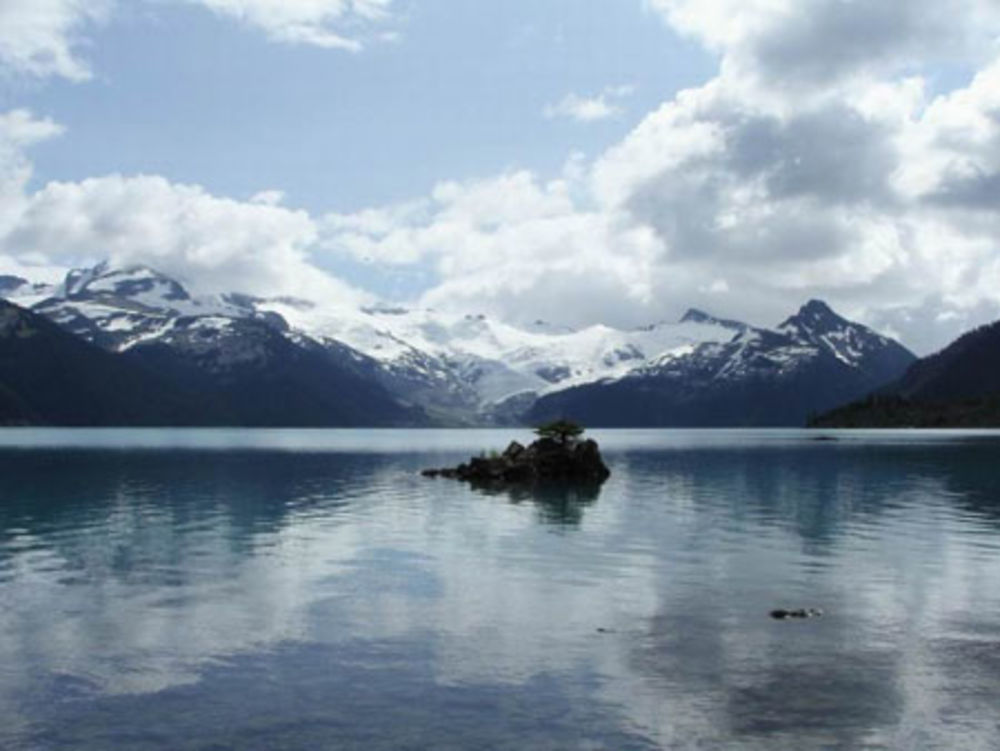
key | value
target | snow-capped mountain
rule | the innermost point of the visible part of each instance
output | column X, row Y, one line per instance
column 813, row 361
column 240, row 366
column 854, row 345
column 473, row 363
column 813, row 333
column 119, row 308
column 457, row 368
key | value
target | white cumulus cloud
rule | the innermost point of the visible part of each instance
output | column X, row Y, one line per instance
column 588, row 109
column 815, row 164
column 340, row 24
column 19, row 130
column 45, row 38
column 514, row 246
column 214, row 244
column 42, row 37
column 822, row 42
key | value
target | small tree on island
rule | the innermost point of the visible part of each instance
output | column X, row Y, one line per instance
column 560, row 430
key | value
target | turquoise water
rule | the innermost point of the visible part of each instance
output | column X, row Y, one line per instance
column 309, row 590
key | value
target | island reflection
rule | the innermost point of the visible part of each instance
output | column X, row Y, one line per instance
column 558, row 503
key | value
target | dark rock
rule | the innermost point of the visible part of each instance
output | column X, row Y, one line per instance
column 781, row 614
column 514, row 451
column 546, row 460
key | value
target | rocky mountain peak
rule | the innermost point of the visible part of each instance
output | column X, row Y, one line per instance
column 694, row 315
column 815, row 317
column 9, row 283
column 77, row 279
column 137, row 282
column 817, row 309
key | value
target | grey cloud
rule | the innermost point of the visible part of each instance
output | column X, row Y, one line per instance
column 972, row 179
column 832, row 37
column 685, row 214
column 977, row 192
column 805, row 168
column 824, row 40
column 833, row 154
column 933, row 323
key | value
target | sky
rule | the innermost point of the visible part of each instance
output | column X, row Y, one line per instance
column 580, row 161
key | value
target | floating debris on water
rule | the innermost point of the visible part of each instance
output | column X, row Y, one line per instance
column 781, row 614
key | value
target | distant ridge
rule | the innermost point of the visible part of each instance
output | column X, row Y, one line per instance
column 208, row 370
column 956, row 387
column 49, row 377
column 761, row 377
column 694, row 315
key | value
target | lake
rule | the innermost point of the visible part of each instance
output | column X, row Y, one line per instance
column 309, row 590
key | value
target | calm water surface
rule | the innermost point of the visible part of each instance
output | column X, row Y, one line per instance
column 308, row 590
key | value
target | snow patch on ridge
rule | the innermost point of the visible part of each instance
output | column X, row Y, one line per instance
column 495, row 358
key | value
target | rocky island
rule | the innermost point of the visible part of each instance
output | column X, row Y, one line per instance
column 559, row 455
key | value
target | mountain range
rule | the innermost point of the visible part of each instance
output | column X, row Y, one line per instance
column 813, row 361
column 235, row 359
column 131, row 347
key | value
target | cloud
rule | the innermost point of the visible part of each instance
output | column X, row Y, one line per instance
column 877, row 199
column 723, row 178
column 513, row 246
column 19, row 130
column 213, row 244
column 337, row 24
column 43, row 38
column 953, row 154
column 268, row 198
column 588, row 109
column 822, row 42
column 40, row 38
column 708, row 186
column 818, row 162
column 806, row 168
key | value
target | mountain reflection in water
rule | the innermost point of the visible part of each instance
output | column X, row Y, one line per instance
column 308, row 589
